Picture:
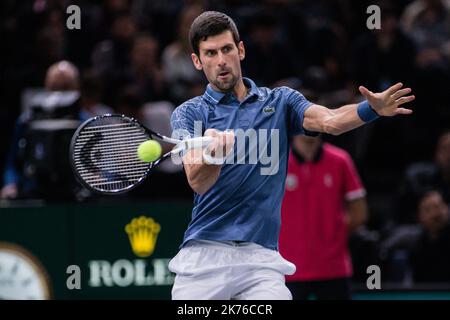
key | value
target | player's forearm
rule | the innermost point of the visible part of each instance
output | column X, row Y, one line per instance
column 348, row 117
column 336, row 121
column 200, row 175
column 203, row 165
column 342, row 120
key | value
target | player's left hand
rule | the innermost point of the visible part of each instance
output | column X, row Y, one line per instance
column 387, row 103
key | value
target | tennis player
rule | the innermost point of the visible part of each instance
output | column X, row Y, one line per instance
column 230, row 249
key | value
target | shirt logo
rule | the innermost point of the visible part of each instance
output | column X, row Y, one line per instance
column 291, row 182
column 268, row 110
column 328, row 180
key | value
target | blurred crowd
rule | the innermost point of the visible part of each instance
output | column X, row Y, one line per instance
column 133, row 57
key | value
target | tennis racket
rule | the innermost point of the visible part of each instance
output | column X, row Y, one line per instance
column 103, row 153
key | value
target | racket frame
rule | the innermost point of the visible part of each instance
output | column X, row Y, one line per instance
column 72, row 159
column 180, row 146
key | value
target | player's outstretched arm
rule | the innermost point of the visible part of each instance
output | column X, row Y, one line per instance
column 336, row 121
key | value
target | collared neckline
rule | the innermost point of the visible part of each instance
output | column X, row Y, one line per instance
column 215, row 96
column 316, row 157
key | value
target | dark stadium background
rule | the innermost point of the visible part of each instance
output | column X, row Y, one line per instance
column 322, row 48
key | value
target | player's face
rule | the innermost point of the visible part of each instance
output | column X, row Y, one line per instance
column 220, row 60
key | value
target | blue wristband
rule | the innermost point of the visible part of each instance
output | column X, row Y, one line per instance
column 366, row 113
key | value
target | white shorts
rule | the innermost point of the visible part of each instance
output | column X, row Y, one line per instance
column 227, row 270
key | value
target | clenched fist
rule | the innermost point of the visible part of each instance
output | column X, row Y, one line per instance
column 221, row 146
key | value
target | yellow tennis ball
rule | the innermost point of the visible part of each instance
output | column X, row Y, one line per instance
column 149, row 151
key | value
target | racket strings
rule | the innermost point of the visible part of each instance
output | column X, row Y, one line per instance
column 105, row 154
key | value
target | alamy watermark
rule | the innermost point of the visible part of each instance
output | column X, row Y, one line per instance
column 250, row 146
column 123, row 273
column 374, row 20
column 74, row 20
column 374, row 280
column 74, row 279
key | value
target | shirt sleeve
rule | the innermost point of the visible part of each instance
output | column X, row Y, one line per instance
column 353, row 187
column 187, row 121
column 297, row 105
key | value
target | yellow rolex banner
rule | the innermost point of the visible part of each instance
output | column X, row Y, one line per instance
column 120, row 250
column 143, row 232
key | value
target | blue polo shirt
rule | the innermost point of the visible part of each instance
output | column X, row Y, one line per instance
column 245, row 202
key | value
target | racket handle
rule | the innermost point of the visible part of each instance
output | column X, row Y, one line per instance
column 198, row 142
column 193, row 143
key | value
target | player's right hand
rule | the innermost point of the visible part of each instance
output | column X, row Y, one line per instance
column 220, row 147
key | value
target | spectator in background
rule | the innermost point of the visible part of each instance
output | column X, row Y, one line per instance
column 91, row 93
column 423, row 176
column 419, row 251
column 111, row 57
column 145, row 71
column 324, row 202
column 112, row 8
column 179, row 72
column 114, row 53
column 156, row 116
column 325, row 39
column 427, row 22
column 47, row 47
column 263, row 41
column 383, row 55
column 128, row 102
column 430, row 258
column 157, row 17
column 380, row 57
column 62, row 76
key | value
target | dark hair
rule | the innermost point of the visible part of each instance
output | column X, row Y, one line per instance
column 211, row 23
column 426, row 192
